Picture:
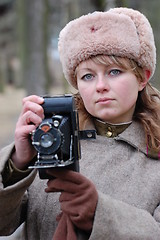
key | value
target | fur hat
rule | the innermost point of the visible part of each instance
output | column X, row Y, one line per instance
column 122, row 32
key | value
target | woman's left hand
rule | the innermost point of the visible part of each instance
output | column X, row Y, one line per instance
column 78, row 197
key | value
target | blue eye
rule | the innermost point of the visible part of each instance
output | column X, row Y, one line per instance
column 87, row 77
column 115, row 72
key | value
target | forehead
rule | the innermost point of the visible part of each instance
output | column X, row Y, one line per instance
column 100, row 61
column 85, row 64
column 107, row 61
column 89, row 65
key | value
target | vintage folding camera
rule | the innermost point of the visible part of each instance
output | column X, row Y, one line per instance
column 57, row 139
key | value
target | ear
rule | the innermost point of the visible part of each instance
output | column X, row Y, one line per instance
column 147, row 74
column 143, row 83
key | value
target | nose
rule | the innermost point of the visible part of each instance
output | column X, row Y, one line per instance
column 102, row 84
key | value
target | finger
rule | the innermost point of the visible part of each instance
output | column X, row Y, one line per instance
column 48, row 190
column 67, row 175
column 29, row 118
column 33, row 98
column 24, row 131
column 33, row 107
column 53, row 185
column 65, row 196
column 60, row 185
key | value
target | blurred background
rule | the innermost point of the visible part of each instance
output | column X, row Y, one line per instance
column 29, row 60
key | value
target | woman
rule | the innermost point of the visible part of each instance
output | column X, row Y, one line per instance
column 109, row 57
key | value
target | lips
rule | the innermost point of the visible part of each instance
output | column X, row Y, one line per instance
column 104, row 100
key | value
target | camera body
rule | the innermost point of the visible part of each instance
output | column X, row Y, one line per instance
column 57, row 139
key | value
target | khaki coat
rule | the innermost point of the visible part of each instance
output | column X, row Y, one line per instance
column 128, row 184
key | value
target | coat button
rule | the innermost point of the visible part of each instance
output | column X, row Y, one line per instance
column 109, row 133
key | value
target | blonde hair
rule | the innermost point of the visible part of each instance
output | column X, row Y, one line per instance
column 147, row 110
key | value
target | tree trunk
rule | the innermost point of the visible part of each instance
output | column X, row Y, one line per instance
column 33, row 45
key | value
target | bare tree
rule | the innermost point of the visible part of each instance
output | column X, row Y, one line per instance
column 7, row 42
column 33, row 36
column 110, row 4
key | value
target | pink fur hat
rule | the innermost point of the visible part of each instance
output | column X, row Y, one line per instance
column 122, row 32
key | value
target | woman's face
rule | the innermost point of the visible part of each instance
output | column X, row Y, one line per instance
column 109, row 92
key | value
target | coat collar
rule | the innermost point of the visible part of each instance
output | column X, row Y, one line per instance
column 109, row 130
column 135, row 136
column 131, row 133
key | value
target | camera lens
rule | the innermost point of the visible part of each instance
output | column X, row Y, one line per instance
column 47, row 140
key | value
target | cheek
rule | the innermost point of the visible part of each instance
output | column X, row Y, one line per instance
column 85, row 92
column 128, row 93
column 85, row 96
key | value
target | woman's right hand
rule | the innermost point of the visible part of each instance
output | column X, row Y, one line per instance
column 31, row 116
